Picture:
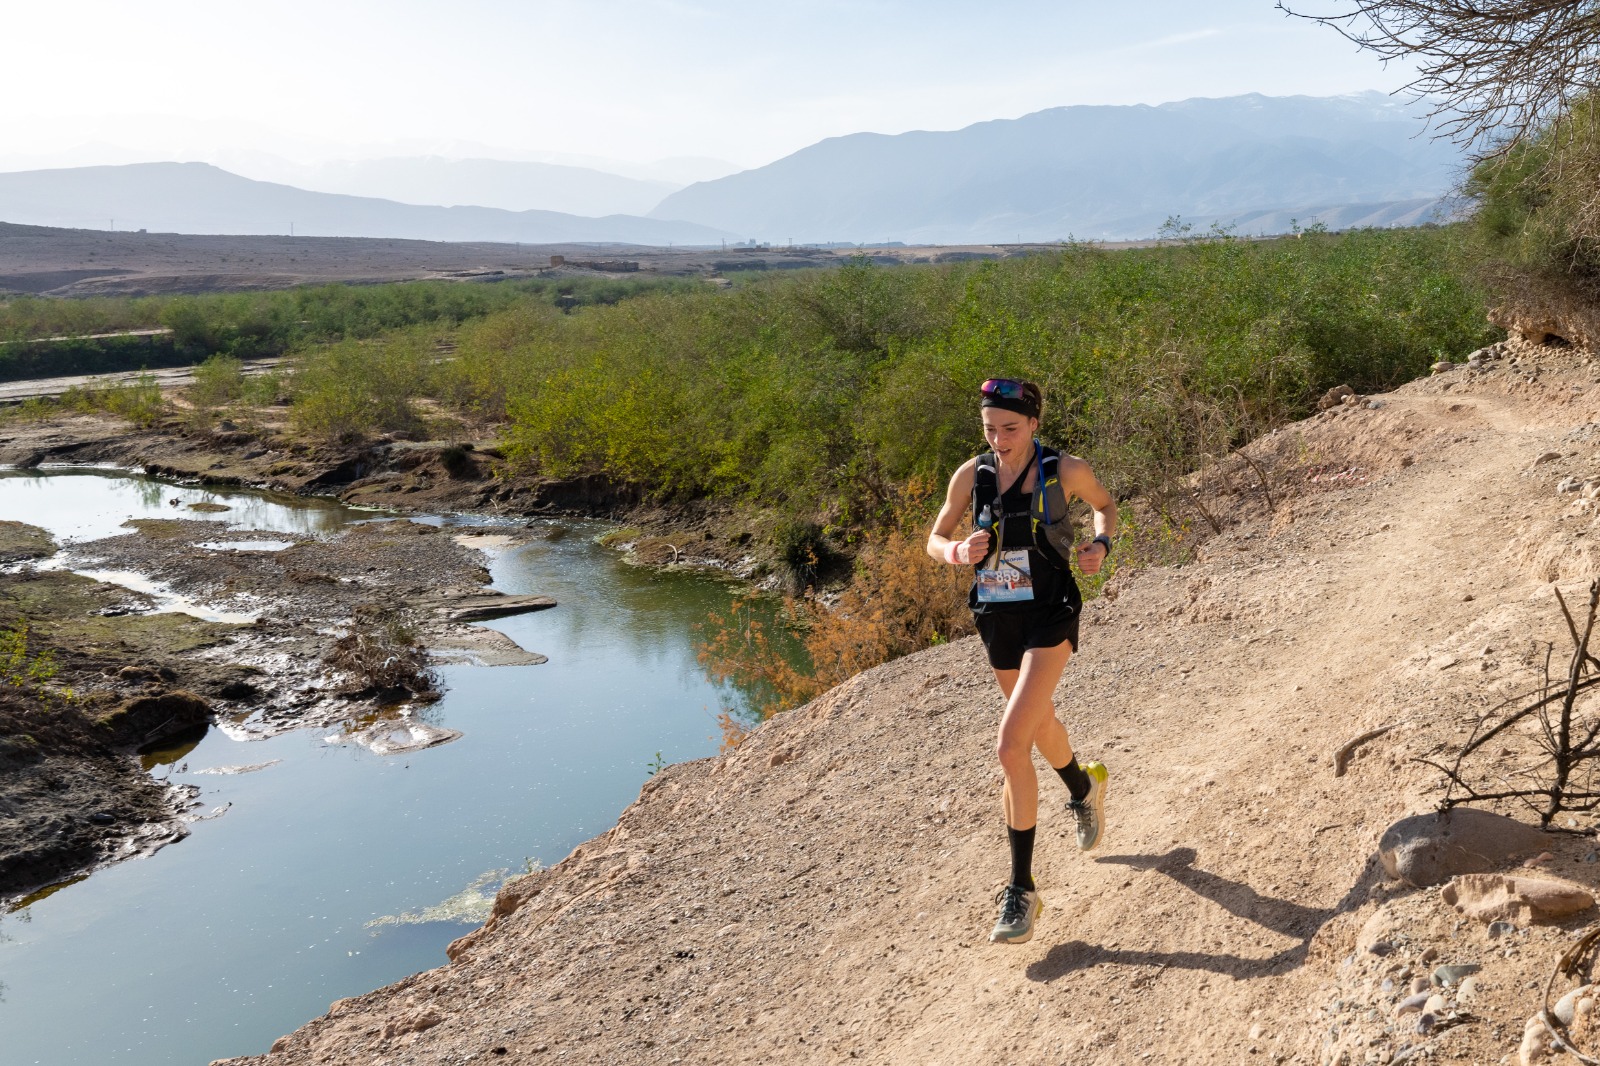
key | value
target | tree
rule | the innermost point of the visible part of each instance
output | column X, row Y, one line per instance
column 1496, row 70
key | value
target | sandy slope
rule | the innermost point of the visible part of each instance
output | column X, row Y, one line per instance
column 824, row 894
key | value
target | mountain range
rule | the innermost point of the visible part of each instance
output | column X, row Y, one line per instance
column 1259, row 164
column 1111, row 172
column 200, row 198
column 509, row 185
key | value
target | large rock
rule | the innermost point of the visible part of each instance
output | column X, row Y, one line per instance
column 1500, row 897
column 1430, row 849
column 1335, row 396
column 490, row 605
column 150, row 719
column 1540, row 326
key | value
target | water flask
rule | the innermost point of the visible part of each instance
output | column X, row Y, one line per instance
column 986, row 521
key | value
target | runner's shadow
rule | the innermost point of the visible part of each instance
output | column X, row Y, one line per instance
column 1076, row 955
column 1281, row 916
column 1235, row 897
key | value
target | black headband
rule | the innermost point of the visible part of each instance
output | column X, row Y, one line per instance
column 1020, row 405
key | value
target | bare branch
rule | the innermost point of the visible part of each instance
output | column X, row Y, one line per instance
column 1494, row 70
column 1564, row 777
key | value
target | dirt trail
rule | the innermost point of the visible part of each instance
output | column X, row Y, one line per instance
column 823, row 895
column 12, row 392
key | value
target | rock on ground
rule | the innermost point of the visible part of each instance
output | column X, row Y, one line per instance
column 1498, row 897
column 1429, row 849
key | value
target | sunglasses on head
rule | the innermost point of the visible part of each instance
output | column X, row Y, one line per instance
column 1003, row 388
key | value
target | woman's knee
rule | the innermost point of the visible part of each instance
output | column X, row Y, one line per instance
column 1014, row 751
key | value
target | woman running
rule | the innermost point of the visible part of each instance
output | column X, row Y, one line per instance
column 1026, row 605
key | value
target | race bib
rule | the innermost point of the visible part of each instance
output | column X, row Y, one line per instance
column 1009, row 581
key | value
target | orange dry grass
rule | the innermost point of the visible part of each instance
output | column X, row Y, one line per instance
column 898, row 602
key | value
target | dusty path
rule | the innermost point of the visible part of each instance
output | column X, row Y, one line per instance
column 823, row 895
column 12, row 392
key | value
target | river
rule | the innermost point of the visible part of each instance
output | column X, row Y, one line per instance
column 330, row 870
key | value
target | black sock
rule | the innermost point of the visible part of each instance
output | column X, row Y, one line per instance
column 1077, row 781
column 1021, row 857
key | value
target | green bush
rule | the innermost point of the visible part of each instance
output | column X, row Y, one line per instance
column 823, row 392
column 139, row 401
column 343, row 392
column 41, row 337
column 217, row 382
column 1538, row 212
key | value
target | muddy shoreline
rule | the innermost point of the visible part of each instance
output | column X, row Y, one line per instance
column 76, row 796
column 131, row 679
column 463, row 475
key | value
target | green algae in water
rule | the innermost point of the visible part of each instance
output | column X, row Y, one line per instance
column 470, row 906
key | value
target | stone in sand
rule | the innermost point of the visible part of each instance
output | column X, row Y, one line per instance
column 1500, row 897
column 1429, row 849
column 1455, row 974
column 1535, row 1042
column 1566, row 1008
column 1334, row 397
column 1412, row 1003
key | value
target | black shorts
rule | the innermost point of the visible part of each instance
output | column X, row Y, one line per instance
column 1007, row 634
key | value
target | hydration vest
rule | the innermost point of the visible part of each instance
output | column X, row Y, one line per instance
column 1050, row 518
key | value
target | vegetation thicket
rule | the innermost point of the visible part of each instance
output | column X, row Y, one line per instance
column 835, row 403
column 50, row 337
column 1538, row 214
column 824, row 394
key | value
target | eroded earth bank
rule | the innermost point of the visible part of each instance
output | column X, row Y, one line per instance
column 72, row 795
column 123, row 676
column 823, row 893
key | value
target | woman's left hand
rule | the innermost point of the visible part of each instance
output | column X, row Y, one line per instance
column 1091, row 554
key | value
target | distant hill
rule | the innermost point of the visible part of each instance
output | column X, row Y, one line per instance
column 510, row 186
column 200, row 198
column 1095, row 173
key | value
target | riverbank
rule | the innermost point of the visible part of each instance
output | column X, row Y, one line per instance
column 823, row 893
column 464, row 474
column 271, row 674
column 132, row 670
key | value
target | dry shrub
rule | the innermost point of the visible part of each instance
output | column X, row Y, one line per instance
column 383, row 657
column 899, row 601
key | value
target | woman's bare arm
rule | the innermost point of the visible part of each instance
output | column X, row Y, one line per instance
column 957, row 501
column 1077, row 478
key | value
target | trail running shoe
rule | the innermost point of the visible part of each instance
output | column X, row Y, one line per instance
column 1091, row 812
column 1018, row 908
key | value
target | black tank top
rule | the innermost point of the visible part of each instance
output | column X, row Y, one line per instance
column 1052, row 585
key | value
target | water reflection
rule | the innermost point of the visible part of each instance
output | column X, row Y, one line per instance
column 86, row 504
column 172, row 750
column 149, row 492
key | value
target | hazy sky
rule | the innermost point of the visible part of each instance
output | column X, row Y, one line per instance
column 742, row 80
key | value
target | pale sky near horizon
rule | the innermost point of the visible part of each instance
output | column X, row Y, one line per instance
column 747, row 81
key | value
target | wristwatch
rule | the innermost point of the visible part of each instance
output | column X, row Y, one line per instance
column 1103, row 539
